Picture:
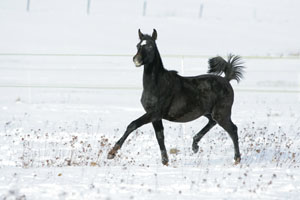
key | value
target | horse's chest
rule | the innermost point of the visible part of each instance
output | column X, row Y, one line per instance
column 149, row 100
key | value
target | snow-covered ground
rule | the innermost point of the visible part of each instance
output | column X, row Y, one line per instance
column 59, row 115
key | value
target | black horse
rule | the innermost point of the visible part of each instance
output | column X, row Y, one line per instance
column 169, row 96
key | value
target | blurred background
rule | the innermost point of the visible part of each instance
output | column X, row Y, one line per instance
column 197, row 27
column 84, row 43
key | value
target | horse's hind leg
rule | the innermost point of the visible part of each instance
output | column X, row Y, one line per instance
column 159, row 132
column 211, row 123
column 226, row 123
column 231, row 128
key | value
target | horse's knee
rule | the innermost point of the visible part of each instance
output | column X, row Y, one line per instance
column 131, row 127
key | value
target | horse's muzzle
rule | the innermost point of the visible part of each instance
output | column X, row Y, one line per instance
column 137, row 60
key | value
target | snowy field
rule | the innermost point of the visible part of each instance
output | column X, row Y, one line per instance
column 60, row 114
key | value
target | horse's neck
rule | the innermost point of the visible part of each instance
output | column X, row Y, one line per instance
column 152, row 72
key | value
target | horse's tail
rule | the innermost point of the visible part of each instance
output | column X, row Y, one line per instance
column 232, row 68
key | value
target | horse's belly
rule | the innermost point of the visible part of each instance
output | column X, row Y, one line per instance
column 183, row 111
column 184, row 117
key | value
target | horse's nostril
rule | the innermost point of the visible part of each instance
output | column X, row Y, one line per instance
column 134, row 57
column 137, row 60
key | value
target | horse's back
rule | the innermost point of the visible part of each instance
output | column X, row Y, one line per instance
column 209, row 84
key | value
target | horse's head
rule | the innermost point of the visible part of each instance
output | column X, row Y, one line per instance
column 145, row 49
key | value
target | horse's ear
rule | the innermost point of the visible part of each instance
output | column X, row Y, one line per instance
column 141, row 35
column 154, row 34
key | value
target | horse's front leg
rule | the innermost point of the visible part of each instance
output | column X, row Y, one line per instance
column 146, row 118
column 159, row 132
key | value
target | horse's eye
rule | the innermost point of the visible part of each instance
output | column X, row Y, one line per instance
column 149, row 46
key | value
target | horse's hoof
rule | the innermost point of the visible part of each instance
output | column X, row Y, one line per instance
column 165, row 161
column 195, row 148
column 112, row 153
column 237, row 160
column 110, row 156
column 164, row 158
